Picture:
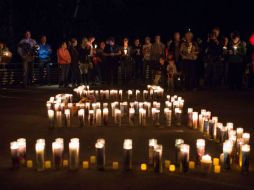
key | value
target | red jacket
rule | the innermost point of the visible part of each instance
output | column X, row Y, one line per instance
column 63, row 56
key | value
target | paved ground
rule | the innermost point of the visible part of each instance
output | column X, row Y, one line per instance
column 23, row 114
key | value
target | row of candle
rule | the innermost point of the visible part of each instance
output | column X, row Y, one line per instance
column 93, row 114
column 113, row 94
column 155, row 150
column 235, row 142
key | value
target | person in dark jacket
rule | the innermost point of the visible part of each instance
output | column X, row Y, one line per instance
column 85, row 61
column 137, row 59
column 126, row 62
column 75, row 72
column 236, row 51
column 161, row 72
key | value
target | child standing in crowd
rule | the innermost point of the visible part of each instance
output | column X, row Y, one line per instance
column 171, row 73
column 160, row 72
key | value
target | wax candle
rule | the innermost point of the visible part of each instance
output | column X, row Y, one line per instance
column 158, row 159
column 115, row 165
column 57, row 150
column 166, row 164
column 29, row 164
column 118, row 117
column 200, row 145
column 178, row 115
column 91, row 117
column 131, row 116
column 172, row 168
column 239, row 132
column 206, row 163
column 59, row 119
column 143, row 167
column 227, row 150
column 211, row 129
column 100, row 154
column 67, row 114
column 14, row 155
column 47, row 164
column 51, row 116
column 216, row 161
column 206, row 127
column 98, row 117
column 152, row 144
column 145, row 95
column 105, row 116
column 201, row 122
column 217, row 169
column 74, row 154
column 246, row 138
column 127, row 161
column 129, row 93
column 245, row 157
column 195, row 120
column 142, row 117
column 137, row 94
column 168, row 115
column 40, row 151
column 85, row 164
column 22, row 150
column 93, row 159
column 81, row 117
column 185, row 152
column 190, row 123
column 178, row 142
column 191, row 165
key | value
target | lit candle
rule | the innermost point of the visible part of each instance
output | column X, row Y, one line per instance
column 206, row 163
column 191, row 165
column 121, row 94
column 239, row 132
column 129, row 93
column 22, row 150
column 217, row 169
column 51, row 115
column 178, row 114
column 216, row 161
column 118, row 117
column 74, row 154
column 40, row 151
column 145, row 95
column 211, row 129
column 48, row 105
column 223, row 134
column 200, row 145
column 190, row 111
column 168, row 114
column 185, row 152
column 85, row 164
column 59, row 120
column 98, row 117
column 14, row 154
column 227, row 150
column 91, row 117
column 100, row 154
column 127, row 161
column 57, row 150
column 245, row 158
column 152, row 144
column 137, row 94
column 115, row 165
column 142, row 117
column 178, row 142
column 67, row 114
column 172, row 168
column 81, row 116
column 131, row 116
column 195, row 120
column 246, row 138
column 105, row 116
column 143, row 167
column 201, row 122
column 206, row 127
column 157, row 159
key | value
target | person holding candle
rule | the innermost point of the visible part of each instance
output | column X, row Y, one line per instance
column 126, row 62
column 236, row 52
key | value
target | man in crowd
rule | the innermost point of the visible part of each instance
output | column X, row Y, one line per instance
column 146, row 50
column 44, row 57
column 75, row 73
column 27, row 51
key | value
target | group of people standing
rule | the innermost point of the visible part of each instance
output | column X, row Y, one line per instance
column 181, row 63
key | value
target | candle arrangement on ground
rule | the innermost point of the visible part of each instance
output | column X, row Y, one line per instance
column 149, row 107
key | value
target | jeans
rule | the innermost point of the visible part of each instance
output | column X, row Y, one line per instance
column 27, row 72
column 64, row 73
column 42, row 65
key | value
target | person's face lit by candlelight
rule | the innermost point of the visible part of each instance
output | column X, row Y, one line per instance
column 64, row 45
column 84, row 42
column 157, row 39
column 102, row 45
column 147, row 40
column 189, row 37
column 177, row 36
column 43, row 39
column 125, row 42
column 74, row 42
column 137, row 42
column 28, row 35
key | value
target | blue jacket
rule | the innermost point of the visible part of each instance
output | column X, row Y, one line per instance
column 44, row 52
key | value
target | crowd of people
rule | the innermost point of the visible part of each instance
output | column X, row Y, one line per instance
column 185, row 62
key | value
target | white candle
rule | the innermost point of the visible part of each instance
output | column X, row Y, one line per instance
column 246, row 138
column 57, row 150
column 98, row 117
column 100, row 154
column 59, row 119
column 168, row 114
column 91, row 117
column 185, row 153
column 200, row 145
column 195, row 120
column 227, row 150
column 22, row 150
column 131, row 116
column 118, row 118
column 239, row 132
column 81, row 116
column 152, row 144
column 127, row 161
column 142, row 117
column 245, row 158
column 105, row 116
column 158, row 158
column 40, row 151
column 14, row 154
column 74, row 154
column 67, row 114
column 206, row 163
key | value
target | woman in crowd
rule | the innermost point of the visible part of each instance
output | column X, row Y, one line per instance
column 137, row 59
column 64, row 60
column 189, row 55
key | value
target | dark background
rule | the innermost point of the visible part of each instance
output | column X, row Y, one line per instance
column 137, row 18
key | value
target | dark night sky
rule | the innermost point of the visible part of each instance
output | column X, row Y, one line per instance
column 122, row 17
